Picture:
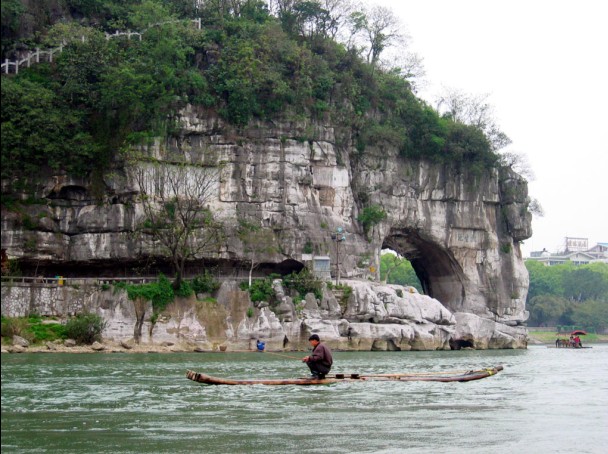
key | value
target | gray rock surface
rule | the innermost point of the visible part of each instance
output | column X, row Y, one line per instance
column 460, row 229
column 375, row 317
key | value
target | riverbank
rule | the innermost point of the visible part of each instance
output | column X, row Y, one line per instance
column 109, row 346
column 122, row 347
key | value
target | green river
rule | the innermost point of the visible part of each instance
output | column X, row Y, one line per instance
column 546, row 400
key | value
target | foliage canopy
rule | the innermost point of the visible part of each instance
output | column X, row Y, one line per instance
column 568, row 295
column 395, row 269
column 99, row 96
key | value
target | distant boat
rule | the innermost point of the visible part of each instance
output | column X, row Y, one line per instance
column 570, row 343
column 337, row 378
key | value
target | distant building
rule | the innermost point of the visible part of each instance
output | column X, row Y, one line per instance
column 576, row 251
column 600, row 250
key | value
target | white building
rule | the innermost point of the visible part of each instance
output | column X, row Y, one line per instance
column 573, row 253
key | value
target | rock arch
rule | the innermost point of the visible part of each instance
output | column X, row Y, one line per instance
column 440, row 274
column 459, row 227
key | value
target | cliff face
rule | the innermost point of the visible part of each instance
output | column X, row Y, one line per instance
column 460, row 230
column 372, row 316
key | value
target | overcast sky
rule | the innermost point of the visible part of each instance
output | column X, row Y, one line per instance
column 544, row 65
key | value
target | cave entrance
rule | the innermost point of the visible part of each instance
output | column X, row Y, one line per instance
column 440, row 275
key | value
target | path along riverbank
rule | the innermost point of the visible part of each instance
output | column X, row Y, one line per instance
column 123, row 347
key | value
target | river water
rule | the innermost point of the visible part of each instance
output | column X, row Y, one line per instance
column 546, row 400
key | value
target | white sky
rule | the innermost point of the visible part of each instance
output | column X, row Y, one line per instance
column 545, row 66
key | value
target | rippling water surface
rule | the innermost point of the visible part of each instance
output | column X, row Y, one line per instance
column 545, row 401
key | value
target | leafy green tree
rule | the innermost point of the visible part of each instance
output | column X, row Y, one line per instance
column 544, row 280
column 303, row 283
column 371, row 216
column 583, row 283
column 388, row 263
column 398, row 270
column 11, row 12
column 310, row 19
column 575, row 282
column 159, row 293
column 259, row 290
column 205, row 283
column 561, row 293
column 81, row 65
column 149, row 14
column 547, row 310
column 40, row 132
column 85, row 328
column 102, row 96
column 592, row 315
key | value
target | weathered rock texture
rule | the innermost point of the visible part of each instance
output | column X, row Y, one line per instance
column 373, row 317
column 460, row 229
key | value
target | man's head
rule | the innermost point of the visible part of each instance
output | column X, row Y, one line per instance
column 314, row 340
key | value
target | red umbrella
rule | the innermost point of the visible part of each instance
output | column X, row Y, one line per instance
column 578, row 332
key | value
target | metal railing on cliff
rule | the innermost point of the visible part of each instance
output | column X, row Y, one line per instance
column 59, row 281
column 47, row 55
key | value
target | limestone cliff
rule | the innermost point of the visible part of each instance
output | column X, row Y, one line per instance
column 373, row 317
column 460, row 229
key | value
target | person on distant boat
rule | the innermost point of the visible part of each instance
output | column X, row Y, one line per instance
column 577, row 342
column 260, row 345
column 320, row 360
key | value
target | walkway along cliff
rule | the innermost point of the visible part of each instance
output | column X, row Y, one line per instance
column 460, row 229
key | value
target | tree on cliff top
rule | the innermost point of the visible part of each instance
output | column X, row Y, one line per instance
column 380, row 29
column 175, row 199
column 314, row 59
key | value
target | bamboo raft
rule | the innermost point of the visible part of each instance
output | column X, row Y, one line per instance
column 337, row 378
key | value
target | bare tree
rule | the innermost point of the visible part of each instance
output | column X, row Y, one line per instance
column 280, row 6
column 474, row 110
column 408, row 65
column 175, row 199
column 519, row 163
column 140, row 304
column 338, row 12
column 257, row 243
column 536, row 208
column 379, row 27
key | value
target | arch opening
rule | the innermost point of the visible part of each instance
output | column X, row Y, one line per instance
column 439, row 273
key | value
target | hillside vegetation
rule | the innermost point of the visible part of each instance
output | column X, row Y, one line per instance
column 297, row 60
column 568, row 295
